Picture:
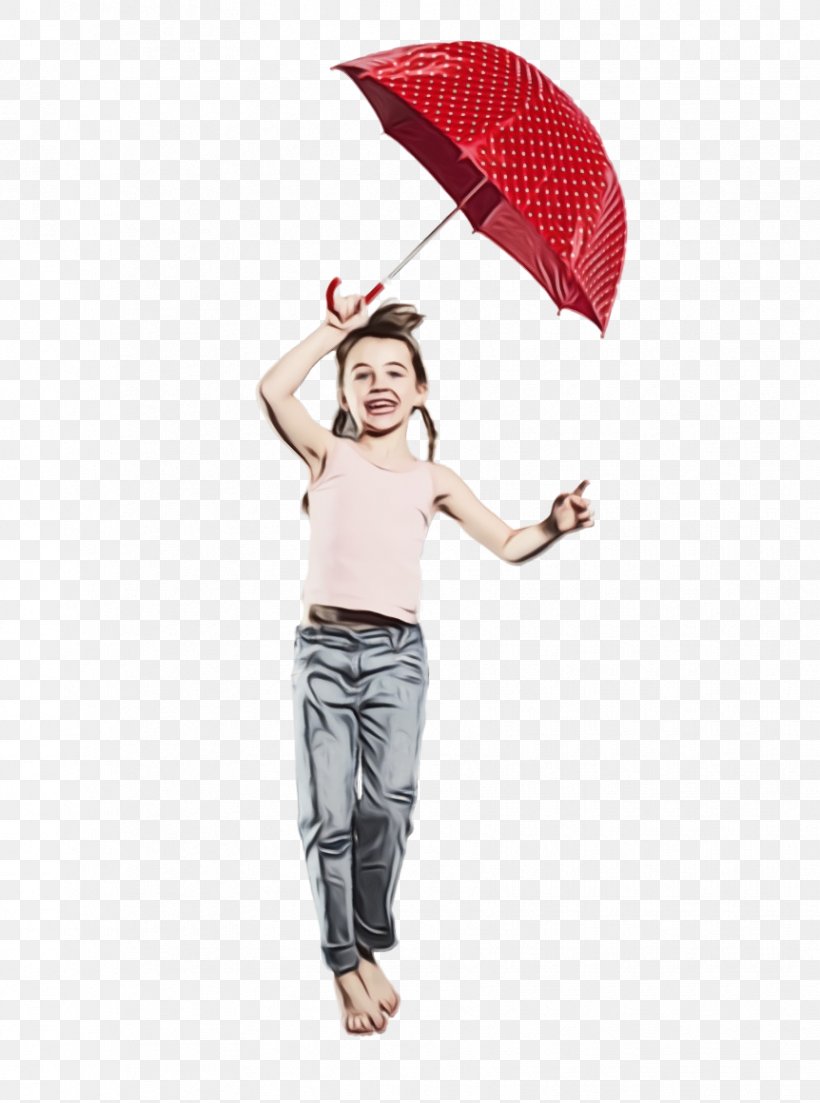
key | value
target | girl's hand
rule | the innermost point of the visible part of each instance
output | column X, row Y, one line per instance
column 570, row 512
column 349, row 312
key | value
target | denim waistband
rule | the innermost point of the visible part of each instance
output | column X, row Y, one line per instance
column 393, row 632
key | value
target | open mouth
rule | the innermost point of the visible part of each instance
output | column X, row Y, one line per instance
column 381, row 406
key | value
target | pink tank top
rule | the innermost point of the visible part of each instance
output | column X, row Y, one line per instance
column 367, row 530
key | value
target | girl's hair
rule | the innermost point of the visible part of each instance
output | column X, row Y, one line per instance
column 393, row 319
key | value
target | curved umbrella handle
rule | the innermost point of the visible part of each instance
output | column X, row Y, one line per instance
column 331, row 291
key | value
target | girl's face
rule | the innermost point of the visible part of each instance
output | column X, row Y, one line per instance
column 380, row 388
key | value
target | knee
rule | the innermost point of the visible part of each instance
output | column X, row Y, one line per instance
column 330, row 837
column 391, row 807
column 335, row 842
column 400, row 799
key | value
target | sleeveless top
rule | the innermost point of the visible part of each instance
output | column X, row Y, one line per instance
column 367, row 530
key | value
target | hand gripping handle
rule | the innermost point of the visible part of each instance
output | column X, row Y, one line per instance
column 331, row 291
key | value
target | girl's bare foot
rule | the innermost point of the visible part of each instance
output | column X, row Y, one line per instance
column 360, row 1012
column 377, row 985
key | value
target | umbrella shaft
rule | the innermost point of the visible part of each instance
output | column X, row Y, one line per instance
column 380, row 286
column 421, row 244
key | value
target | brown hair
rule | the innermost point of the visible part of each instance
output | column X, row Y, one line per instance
column 393, row 319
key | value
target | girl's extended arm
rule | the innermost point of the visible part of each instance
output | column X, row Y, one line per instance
column 526, row 543
column 455, row 499
column 569, row 512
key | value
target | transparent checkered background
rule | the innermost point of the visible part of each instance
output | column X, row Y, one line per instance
column 611, row 892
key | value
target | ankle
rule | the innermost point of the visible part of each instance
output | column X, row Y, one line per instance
column 366, row 954
column 348, row 974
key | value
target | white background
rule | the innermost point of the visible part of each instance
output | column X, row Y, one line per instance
column 612, row 883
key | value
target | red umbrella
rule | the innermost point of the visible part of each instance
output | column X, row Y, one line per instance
column 525, row 165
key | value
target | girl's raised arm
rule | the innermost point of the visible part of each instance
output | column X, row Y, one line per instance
column 288, row 416
column 288, row 374
column 276, row 390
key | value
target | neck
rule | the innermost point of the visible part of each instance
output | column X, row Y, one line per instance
column 388, row 446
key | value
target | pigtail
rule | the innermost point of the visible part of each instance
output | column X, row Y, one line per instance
column 432, row 433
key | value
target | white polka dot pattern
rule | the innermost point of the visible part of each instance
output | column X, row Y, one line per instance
column 539, row 150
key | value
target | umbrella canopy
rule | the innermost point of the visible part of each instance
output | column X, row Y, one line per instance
column 476, row 114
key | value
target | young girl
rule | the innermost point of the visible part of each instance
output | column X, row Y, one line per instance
column 360, row 673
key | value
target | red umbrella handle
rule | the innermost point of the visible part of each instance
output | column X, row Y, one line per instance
column 331, row 291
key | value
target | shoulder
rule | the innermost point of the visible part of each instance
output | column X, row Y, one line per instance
column 445, row 483
column 440, row 473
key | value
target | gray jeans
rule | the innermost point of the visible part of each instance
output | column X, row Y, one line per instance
column 359, row 699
